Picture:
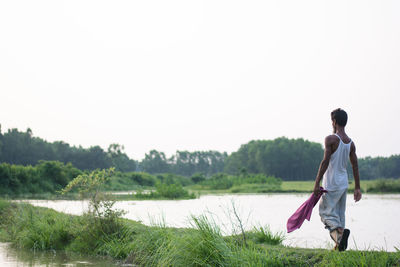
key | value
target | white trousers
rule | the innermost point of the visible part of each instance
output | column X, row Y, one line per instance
column 332, row 208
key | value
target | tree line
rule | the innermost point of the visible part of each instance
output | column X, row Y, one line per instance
column 184, row 162
column 289, row 159
column 23, row 148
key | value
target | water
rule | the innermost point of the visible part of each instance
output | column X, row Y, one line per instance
column 373, row 221
column 10, row 257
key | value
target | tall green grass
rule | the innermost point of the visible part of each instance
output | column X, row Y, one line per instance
column 224, row 181
column 384, row 186
column 162, row 191
column 264, row 235
column 131, row 242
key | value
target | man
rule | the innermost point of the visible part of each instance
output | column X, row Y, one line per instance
column 338, row 149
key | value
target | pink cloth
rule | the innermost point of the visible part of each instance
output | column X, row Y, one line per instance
column 303, row 212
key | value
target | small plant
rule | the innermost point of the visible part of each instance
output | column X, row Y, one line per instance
column 101, row 211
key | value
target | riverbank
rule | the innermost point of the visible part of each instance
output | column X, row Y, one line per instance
column 178, row 192
column 131, row 242
column 381, row 186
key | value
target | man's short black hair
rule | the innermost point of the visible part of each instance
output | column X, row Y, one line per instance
column 340, row 116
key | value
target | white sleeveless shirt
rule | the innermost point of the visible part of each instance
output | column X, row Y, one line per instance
column 335, row 177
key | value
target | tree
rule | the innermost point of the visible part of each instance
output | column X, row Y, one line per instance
column 155, row 162
column 291, row 159
column 119, row 159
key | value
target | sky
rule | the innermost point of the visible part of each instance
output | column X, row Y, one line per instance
column 200, row 75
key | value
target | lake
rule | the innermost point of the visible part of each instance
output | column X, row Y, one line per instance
column 374, row 221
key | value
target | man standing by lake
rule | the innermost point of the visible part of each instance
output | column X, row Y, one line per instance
column 338, row 149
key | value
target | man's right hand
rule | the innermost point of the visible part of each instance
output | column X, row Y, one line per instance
column 357, row 194
column 316, row 189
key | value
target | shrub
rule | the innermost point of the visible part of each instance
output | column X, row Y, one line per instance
column 197, row 178
column 219, row 181
column 166, row 191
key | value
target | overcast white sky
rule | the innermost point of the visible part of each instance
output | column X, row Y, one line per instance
column 200, row 75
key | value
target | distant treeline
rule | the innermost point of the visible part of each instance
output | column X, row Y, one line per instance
column 184, row 163
column 289, row 159
column 23, row 148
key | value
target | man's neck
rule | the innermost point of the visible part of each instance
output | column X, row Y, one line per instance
column 340, row 130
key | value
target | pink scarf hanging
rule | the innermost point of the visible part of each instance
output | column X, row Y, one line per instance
column 303, row 212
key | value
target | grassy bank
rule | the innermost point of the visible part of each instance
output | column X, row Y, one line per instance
column 369, row 186
column 163, row 191
column 131, row 242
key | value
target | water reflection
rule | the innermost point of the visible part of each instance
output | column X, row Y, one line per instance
column 11, row 257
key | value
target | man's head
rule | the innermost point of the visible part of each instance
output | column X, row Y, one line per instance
column 339, row 118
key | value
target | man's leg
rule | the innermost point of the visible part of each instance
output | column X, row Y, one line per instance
column 329, row 210
column 344, row 235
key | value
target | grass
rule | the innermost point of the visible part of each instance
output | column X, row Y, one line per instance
column 384, row 185
column 133, row 243
column 367, row 186
column 162, row 191
column 264, row 235
column 175, row 191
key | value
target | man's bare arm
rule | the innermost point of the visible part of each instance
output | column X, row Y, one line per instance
column 329, row 140
column 354, row 164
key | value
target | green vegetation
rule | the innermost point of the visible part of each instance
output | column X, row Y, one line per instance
column 384, row 186
column 44, row 180
column 225, row 181
column 121, row 181
column 133, row 243
column 379, row 167
column 290, row 159
column 184, row 162
column 46, row 177
column 244, row 183
column 162, row 191
column 264, row 235
column 24, row 149
column 368, row 186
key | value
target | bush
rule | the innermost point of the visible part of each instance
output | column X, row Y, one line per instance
column 142, row 178
column 169, row 178
column 198, row 177
column 219, row 181
column 45, row 177
column 166, row 191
